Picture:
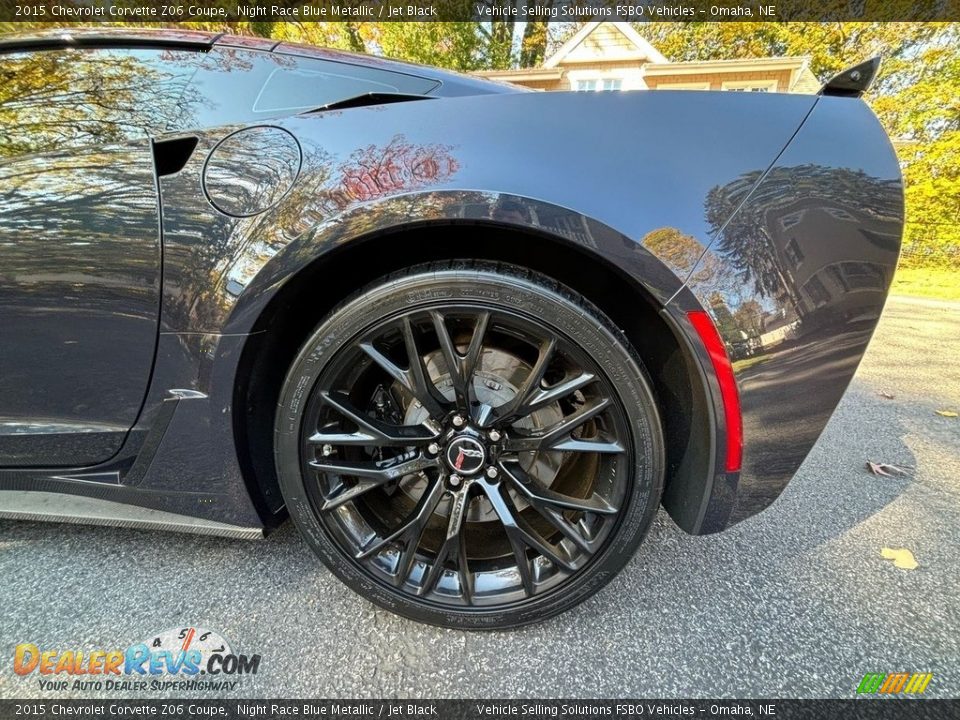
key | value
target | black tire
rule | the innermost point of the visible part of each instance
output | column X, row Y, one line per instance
column 565, row 482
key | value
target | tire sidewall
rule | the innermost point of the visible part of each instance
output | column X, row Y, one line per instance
column 544, row 302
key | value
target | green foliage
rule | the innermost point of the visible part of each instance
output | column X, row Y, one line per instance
column 458, row 46
column 465, row 46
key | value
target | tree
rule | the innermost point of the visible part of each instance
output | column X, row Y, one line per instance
column 458, row 46
column 467, row 45
column 497, row 44
column 749, row 318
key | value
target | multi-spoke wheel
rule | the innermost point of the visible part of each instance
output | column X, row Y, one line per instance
column 471, row 446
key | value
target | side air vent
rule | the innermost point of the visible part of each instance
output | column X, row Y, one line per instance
column 169, row 156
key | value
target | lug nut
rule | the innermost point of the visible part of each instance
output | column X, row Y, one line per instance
column 492, row 472
column 454, row 480
column 327, row 450
column 458, row 421
column 433, row 448
column 494, row 436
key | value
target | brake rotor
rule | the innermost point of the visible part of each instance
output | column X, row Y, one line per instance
column 496, row 382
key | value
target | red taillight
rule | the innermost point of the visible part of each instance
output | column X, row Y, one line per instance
column 728, row 386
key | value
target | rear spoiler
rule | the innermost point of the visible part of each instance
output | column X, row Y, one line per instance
column 852, row 82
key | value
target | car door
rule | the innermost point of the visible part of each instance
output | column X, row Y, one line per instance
column 80, row 247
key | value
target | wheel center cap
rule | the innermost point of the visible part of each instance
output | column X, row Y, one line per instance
column 465, row 455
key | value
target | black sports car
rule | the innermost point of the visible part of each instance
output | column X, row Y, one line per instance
column 469, row 337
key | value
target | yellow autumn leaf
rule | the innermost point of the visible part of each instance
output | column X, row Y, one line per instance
column 947, row 413
column 902, row 558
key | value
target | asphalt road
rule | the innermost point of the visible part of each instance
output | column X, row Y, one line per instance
column 796, row 602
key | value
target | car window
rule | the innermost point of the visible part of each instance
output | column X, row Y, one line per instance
column 235, row 85
column 75, row 97
column 302, row 89
column 64, row 99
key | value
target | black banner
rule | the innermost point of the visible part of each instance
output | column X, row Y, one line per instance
column 859, row 709
column 93, row 11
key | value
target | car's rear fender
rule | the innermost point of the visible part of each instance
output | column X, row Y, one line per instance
column 622, row 175
column 638, row 163
column 795, row 281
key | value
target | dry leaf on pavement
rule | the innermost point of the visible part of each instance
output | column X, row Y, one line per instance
column 885, row 469
column 902, row 558
column 947, row 413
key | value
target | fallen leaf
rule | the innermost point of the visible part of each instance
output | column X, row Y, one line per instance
column 886, row 395
column 947, row 413
column 902, row 558
column 885, row 469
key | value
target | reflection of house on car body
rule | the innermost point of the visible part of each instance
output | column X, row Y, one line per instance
column 823, row 234
column 828, row 274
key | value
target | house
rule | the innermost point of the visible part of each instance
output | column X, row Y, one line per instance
column 614, row 56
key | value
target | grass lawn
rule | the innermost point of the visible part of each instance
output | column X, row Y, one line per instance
column 739, row 365
column 927, row 283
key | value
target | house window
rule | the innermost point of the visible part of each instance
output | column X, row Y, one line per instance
column 750, row 86
column 863, row 275
column 791, row 219
column 838, row 278
column 816, row 292
column 839, row 213
column 595, row 84
column 858, row 276
column 793, row 253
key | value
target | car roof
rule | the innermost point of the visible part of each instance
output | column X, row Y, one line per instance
column 204, row 41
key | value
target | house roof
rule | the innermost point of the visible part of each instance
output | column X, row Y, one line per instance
column 802, row 79
column 635, row 47
column 697, row 67
column 523, row 74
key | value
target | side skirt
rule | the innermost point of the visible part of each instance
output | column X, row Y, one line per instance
column 56, row 507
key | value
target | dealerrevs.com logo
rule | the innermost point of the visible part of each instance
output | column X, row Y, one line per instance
column 188, row 658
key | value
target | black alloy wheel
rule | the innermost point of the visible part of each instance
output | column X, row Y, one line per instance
column 470, row 445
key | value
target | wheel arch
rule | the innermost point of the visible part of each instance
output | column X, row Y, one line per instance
column 308, row 294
